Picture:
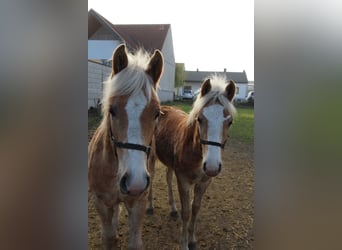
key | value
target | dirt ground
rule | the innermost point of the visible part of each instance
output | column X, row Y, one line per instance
column 225, row 220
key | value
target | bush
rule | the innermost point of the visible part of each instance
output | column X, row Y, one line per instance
column 245, row 104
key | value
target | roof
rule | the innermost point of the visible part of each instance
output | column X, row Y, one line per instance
column 95, row 21
column 148, row 36
column 199, row 76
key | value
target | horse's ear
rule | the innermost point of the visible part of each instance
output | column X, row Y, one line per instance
column 120, row 59
column 206, row 87
column 155, row 66
column 230, row 90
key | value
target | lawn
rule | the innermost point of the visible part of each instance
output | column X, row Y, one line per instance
column 242, row 129
column 243, row 126
column 184, row 105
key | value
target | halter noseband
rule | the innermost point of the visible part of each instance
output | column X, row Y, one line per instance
column 127, row 145
column 134, row 146
column 212, row 143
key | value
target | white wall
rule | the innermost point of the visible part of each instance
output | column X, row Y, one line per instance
column 243, row 91
column 250, row 86
column 97, row 74
column 101, row 49
column 167, row 82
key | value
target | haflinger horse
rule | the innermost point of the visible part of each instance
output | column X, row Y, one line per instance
column 118, row 154
column 191, row 146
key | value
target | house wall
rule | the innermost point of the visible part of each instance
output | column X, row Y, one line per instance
column 167, row 82
column 97, row 74
column 251, row 86
column 243, row 91
column 194, row 86
column 102, row 49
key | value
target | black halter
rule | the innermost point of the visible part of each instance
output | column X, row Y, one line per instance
column 127, row 145
column 212, row 143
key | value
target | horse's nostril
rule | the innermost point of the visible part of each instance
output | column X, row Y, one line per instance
column 123, row 184
column 148, row 178
column 220, row 166
column 205, row 166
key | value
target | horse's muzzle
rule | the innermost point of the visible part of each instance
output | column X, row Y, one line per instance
column 211, row 172
column 128, row 187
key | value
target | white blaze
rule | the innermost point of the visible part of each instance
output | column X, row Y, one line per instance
column 214, row 116
column 136, row 160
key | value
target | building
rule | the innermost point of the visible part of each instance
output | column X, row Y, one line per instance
column 194, row 79
column 250, row 86
column 104, row 37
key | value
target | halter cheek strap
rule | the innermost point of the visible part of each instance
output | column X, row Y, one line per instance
column 213, row 143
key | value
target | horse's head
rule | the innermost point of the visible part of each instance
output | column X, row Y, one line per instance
column 133, row 109
column 214, row 117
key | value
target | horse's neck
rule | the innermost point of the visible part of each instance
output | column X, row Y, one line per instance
column 102, row 162
column 192, row 135
column 107, row 145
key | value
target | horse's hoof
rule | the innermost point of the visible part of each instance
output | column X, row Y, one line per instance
column 149, row 211
column 192, row 246
column 174, row 214
column 110, row 244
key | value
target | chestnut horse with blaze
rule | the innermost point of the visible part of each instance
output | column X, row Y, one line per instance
column 191, row 147
column 119, row 151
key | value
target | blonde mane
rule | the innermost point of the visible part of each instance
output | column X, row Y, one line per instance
column 129, row 81
column 216, row 94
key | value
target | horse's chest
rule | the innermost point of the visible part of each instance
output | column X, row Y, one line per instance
column 193, row 172
column 109, row 199
column 197, row 175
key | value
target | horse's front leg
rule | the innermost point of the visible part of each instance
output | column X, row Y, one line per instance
column 151, row 167
column 109, row 231
column 136, row 212
column 184, row 194
column 169, row 176
column 199, row 190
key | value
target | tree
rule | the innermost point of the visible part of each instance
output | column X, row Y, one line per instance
column 179, row 75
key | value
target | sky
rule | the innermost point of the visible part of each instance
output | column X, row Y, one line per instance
column 207, row 35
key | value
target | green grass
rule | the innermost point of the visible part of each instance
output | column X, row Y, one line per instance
column 242, row 129
column 184, row 105
column 243, row 125
column 94, row 119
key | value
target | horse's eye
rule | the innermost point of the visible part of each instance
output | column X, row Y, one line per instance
column 199, row 120
column 157, row 114
column 230, row 123
column 112, row 111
